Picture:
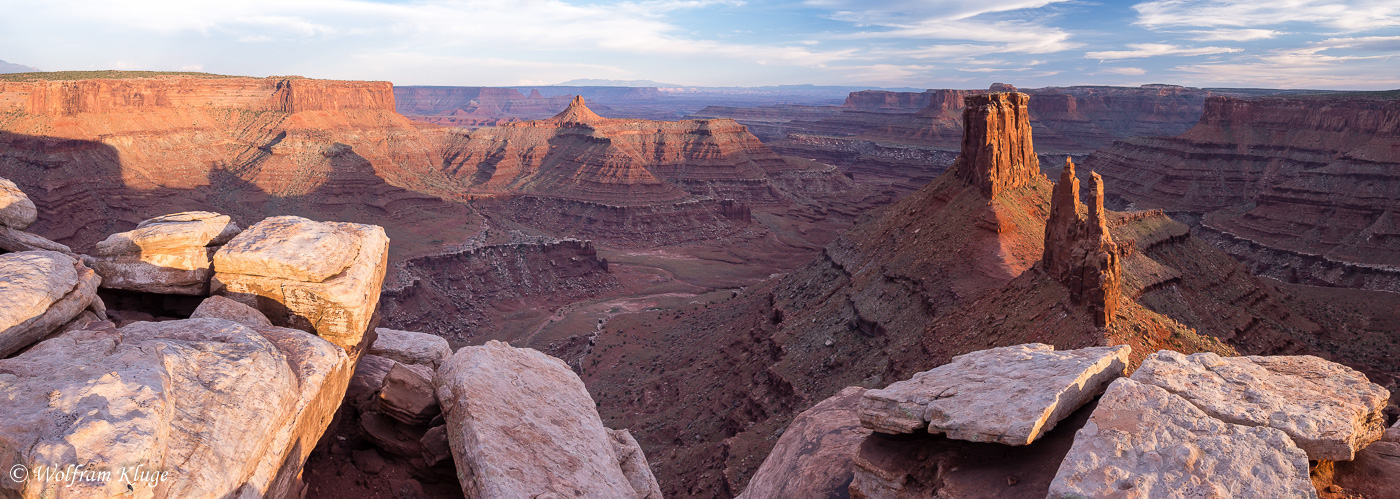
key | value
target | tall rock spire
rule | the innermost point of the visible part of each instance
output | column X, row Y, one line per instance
column 1079, row 251
column 997, row 154
column 577, row 112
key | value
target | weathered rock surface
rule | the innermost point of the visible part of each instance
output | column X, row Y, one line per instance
column 18, row 240
column 16, row 210
column 218, row 307
column 41, row 291
column 345, row 263
column 522, row 424
column 634, row 464
column 169, row 254
column 225, row 409
column 1011, row 395
column 408, row 396
column 997, row 151
column 1079, row 251
column 409, row 347
column 1327, row 409
column 1144, row 441
column 813, row 457
column 363, row 392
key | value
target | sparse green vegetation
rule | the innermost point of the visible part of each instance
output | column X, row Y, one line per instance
column 108, row 74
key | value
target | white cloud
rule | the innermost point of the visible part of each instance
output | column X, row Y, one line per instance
column 1350, row 15
column 1141, row 50
column 1234, row 35
column 1124, row 71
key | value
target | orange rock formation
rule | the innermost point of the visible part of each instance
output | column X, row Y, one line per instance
column 997, row 153
column 1079, row 251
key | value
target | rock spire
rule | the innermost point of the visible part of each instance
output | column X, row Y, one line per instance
column 997, row 154
column 577, row 112
column 1079, row 251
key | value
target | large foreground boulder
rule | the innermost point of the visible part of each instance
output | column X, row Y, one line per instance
column 40, row 291
column 223, row 409
column 169, row 254
column 1143, row 441
column 1329, row 410
column 16, row 210
column 813, row 457
column 321, row 277
column 1010, row 395
column 521, row 424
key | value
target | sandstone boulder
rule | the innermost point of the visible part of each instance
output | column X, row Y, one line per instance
column 224, row 409
column 322, row 277
column 16, row 210
column 40, row 291
column 1329, row 410
column 365, row 383
column 410, row 348
column 18, row 240
column 435, row 446
column 521, row 424
column 813, row 457
column 1143, row 441
column 634, row 464
column 1011, row 395
column 408, row 395
column 219, row 307
column 169, row 254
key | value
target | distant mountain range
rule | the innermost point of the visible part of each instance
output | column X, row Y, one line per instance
column 6, row 67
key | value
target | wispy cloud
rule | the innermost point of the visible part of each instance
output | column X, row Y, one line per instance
column 1352, row 15
column 1141, row 50
column 1234, row 35
column 1124, row 71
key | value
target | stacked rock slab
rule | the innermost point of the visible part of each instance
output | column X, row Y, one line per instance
column 321, row 277
column 170, row 254
column 16, row 213
column 813, row 457
column 1079, row 251
column 40, row 292
column 521, row 424
column 1327, row 409
column 1143, row 441
column 393, row 395
column 224, row 409
column 1010, row 395
column 997, row 151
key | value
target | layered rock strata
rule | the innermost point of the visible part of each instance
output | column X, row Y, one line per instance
column 997, row 151
column 41, row 291
column 1330, row 411
column 521, row 424
column 1010, row 395
column 169, row 254
column 220, row 408
column 320, row 277
column 1079, row 251
column 1143, row 439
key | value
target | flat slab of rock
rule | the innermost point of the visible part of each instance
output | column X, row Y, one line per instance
column 41, row 292
column 1143, row 441
column 409, row 347
column 169, row 254
column 338, row 307
column 228, row 411
column 1010, row 395
column 290, row 247
column 17, row 240
column 408, row 396
column 1329, row 410
column 813, row 457
column 16, row 210
column 521, row 424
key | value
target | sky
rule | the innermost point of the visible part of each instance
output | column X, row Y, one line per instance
column 1326, row 44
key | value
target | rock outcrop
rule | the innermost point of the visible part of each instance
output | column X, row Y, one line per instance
column 41, row 291
column 1145, row 441
column 410, row 347
column 521, row 424
column 169, row 254
column 1079, row 251
column 997, row 151
column 16, row 210
column 1330, row 411
column 207, row 407
column 1010, row 395
column 320, row 277
column 813, row 457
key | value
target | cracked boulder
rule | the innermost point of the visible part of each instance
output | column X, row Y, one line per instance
column 1327, row 409
column 320, row 277
column 1143, row 441
column 41, row 291
column 169, row 254
column 1010, row 395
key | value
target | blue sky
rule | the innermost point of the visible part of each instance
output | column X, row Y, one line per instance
column 1341, row 44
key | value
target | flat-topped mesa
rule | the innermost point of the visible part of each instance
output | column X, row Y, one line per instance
column 1079, row 251
column 997, row 153
column 577, row 112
